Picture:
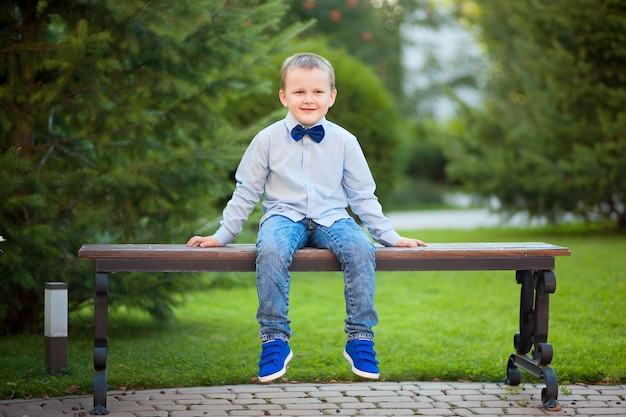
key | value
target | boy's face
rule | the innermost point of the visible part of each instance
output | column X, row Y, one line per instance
column 307, row 94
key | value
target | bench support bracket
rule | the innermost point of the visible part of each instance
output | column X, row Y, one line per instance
column 533, row 334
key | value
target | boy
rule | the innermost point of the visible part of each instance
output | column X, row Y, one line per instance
column 309, row 170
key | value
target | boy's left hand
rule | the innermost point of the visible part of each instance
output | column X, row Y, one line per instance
column 405, row 242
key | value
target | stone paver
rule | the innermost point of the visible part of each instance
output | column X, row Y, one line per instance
column 353, row 399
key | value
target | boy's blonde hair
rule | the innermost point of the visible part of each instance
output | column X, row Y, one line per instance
column 308, row 60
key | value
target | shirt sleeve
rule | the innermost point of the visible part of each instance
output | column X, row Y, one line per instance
column 250, row 179
column 360, row 188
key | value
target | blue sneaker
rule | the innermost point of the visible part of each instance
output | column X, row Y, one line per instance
column 275, row 356
column 360, row 353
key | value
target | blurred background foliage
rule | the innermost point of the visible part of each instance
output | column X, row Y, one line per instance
column 124, row 121
column 549, row 137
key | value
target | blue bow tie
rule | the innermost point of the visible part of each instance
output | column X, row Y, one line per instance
column 316, row 133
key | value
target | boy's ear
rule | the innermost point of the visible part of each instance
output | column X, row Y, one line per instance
column 282, row 97
column 333, row 96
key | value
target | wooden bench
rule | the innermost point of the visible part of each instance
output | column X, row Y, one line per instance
column 533, row 262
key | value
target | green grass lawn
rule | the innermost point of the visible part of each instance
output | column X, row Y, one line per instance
column 433, row 325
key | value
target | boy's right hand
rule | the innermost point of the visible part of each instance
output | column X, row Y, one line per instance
column 204, row 242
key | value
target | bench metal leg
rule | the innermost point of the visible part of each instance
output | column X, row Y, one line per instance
column 101, row 346
column 534, row 313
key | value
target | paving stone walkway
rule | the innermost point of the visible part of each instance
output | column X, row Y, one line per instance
column 341, row 399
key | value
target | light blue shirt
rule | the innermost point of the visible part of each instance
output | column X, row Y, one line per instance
column 305, row 179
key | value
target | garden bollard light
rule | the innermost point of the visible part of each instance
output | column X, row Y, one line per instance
column 55, row 327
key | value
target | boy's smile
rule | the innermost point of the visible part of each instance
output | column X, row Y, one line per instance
column 308, row 94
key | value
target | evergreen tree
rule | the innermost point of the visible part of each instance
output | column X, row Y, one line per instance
column 118, row 123
column 550, row 138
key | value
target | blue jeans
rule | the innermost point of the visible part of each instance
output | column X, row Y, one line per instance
column 278, row 240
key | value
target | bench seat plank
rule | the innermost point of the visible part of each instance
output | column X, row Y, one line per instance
column 247, row 251
column 241, row 257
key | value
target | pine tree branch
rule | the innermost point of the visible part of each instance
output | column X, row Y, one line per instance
column 165, row 113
